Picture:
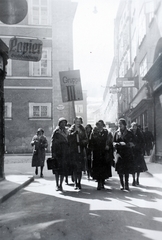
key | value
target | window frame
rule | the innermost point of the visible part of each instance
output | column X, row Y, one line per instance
column 48, row 59
column 49, row 112
column 8, row 114
column 9, row 67
column 31, row 5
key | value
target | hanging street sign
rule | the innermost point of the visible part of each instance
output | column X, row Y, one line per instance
column 25, row 49
column 71, row 88
column 127, row 82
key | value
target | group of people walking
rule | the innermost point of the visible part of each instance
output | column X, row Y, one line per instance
column 95, row 150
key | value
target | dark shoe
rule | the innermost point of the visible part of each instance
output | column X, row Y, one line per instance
column 60, row 188
column 134, row 183
column 75, row 187
column 137, row 182
column 79, row 186
column 36, row 171
column 41, row 175
column 102, row 186
column 99, row 186
column 127, row 187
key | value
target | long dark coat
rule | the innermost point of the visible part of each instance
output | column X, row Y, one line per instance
column 138, row 140
column 77, row 149
column 124, row 157
column 60, row 151
column 149, row 139
column 101, row 164
column 40, row 144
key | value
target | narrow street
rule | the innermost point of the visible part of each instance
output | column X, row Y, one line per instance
column 40, row 212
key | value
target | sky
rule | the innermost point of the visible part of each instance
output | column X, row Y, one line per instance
column 93, row 36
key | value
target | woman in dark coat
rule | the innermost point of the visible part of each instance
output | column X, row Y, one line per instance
column 88, row 130
column 140, row 165
column 123, row 143
column 101, row 144
column 77, row 141
column 39, row 142
column 60, row 151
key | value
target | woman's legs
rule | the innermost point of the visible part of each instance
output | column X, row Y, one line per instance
column 57, row 180
column 134, row 181
column 121, row 181
column 36, row 171
column 75, row 179
column 137, row 181
column 41, row 173
column 127, row 182
column 79, row 177
column 98, row 184
column 61, row 181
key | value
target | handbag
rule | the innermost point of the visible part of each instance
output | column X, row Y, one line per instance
column 52, row 163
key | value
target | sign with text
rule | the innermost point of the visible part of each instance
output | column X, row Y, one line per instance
column 127, row 82
column 25, row 49
column 71, row 88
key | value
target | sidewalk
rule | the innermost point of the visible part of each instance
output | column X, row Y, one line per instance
column 18, row 174
column 154, row 169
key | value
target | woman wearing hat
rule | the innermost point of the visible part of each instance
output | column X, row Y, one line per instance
column 60, row 151
column 101, row 144
column 123, row 143
column 39, row 142
column 78, row 142
column 140, row 164
column 88, row 130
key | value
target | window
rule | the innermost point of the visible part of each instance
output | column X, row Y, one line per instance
column 39, row 12
column 8, row 110
column 143, row 67
column 9, row 67
column 150, row 10
column 142, row 26
column 79, row 108
column 43, row 67
column 40, row 110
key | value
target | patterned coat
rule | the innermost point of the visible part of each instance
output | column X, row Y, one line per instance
column 124, row 153
column 40, row 144
column 60, row 150
column 78, row 141
column 140, row 165
column 101, row 165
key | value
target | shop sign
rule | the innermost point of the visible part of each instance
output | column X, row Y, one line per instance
column 71, row 88
column 124, row 82
column 25, row 49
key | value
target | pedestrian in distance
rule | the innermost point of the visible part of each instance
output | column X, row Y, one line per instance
column 78, row 142
column 140, row 165
column 39, row 144
column 123, row 143
column 102, row 148
column 60, row 152
column 149, row 141
column 88, row 130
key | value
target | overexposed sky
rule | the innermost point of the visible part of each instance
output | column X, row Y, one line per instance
column 94, row 43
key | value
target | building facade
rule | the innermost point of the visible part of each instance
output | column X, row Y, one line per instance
column 137, row 47
column 32, row 89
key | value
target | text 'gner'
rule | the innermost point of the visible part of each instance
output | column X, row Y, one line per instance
column 72, row 81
